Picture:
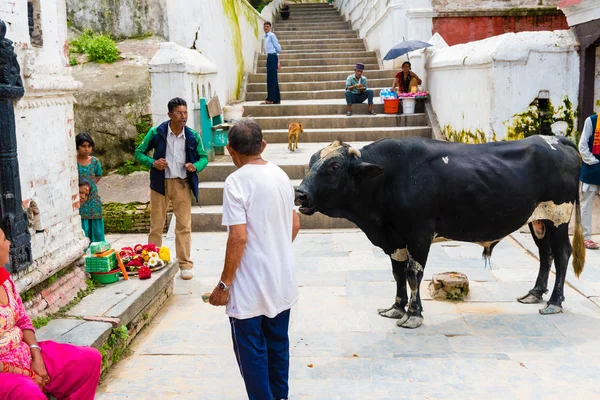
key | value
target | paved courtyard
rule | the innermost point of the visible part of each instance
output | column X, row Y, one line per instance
column 487, row 347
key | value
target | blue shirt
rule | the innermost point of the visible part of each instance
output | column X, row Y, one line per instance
column 351, row 81
column 272, row 44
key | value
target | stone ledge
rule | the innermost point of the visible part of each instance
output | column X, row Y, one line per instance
column 132, row 303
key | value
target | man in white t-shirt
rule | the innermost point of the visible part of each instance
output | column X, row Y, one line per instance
column 258, row 283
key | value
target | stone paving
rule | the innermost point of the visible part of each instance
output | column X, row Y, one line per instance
column 488, row 346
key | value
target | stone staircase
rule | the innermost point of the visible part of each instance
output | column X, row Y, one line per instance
column 319, row 51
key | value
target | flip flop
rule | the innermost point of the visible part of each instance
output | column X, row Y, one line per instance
column 591, row 245
column 267, row 102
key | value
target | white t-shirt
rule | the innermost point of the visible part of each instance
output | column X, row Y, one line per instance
column 262, row 197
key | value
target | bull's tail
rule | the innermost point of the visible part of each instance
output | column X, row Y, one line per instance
column 578, row 243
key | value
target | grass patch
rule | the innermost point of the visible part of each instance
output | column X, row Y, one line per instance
column 99, row 48
column 115, row 347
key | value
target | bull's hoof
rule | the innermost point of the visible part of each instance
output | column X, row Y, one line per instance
column 551, row 309
column 410, row 322
column 530, row 298
column 392, row 312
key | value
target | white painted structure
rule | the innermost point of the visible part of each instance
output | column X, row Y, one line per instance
column 385, row 23
column 225, row 40
column 181, row 72
column 482, row 85
column 46, row 140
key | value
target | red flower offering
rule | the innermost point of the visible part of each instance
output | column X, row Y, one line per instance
column 144, row 272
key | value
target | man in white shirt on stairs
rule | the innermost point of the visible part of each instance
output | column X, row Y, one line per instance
column 258, row 284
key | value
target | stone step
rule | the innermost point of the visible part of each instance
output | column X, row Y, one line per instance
column 306, row 53
column 285, row 55
column 310, row 94
column 292, row 35
column 211, row 193
column 314, row 18
column 307, row 14
column 321, row 76
column 208, row 219
column 336, row 67
column 346, row 134
column 220, row 171
column 325, row 46
column 308, row 62
column 314, row 86
column 339, row 28
column 306, row 107
column 338, row 121
column 328, row 40
column 309, row 26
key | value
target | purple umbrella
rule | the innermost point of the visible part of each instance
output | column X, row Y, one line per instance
column 404, row 47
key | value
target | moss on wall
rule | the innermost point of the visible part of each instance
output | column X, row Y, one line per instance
column 529, row 121
column 466, row 136
column 230, row 10
column 252, row 17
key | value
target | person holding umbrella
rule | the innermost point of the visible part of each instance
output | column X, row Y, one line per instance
column 406, row 80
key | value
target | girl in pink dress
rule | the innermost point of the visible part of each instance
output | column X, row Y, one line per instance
column 29, row 369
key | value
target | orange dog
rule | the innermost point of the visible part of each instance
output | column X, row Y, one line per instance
column 294, row 131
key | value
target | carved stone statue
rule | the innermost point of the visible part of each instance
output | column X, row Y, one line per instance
column 13, row 219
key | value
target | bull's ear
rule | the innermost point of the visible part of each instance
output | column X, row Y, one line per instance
column 367, row 170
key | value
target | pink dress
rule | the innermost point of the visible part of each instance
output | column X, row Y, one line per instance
column 13, row 320
column 74, row 371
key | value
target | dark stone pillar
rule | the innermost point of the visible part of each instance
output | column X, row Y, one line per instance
column 588, row 35
column 13, row 218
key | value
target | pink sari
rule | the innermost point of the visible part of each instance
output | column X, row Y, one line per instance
column 74, row 371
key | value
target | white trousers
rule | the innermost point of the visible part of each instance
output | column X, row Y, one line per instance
column 588, row 192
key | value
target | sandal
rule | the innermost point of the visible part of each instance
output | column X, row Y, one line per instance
column 371, row 112
column 348, row 113
column 267, row 102
column 591, row 245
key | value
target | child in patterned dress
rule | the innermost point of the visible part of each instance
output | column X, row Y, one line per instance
column 90, row 171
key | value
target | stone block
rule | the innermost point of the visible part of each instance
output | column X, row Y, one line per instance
column 449, row 286
column 124, row 299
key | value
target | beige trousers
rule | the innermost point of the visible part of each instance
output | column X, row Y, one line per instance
column 178, row 191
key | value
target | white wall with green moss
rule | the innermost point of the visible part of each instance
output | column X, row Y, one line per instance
column 46, row 139
column 487, row 85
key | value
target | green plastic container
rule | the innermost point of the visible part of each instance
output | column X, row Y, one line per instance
column 106, row 277
column 101, row 264
column 99, row 247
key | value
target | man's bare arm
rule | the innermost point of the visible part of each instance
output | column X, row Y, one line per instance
column 236, row 244
column 295, row 224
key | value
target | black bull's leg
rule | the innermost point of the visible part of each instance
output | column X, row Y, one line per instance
column 541, row 283
column 561, row 249
column 398, row 309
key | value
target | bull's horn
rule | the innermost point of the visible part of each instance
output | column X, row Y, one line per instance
column 354, row 151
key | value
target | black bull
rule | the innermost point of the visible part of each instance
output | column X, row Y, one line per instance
column 405, row 193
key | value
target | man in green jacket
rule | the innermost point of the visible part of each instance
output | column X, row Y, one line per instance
column 178, row 157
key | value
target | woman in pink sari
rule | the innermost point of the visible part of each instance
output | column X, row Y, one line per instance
column 29, row 369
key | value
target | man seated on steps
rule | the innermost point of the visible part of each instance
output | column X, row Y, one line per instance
column 356, row 90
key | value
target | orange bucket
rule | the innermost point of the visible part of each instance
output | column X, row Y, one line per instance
column 390, row 106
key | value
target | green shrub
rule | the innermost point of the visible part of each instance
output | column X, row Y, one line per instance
column 103, row 49
column 99, row 48
column 72, row 61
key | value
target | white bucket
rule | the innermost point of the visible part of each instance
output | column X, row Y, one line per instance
column 232, row 113
column 408, row 105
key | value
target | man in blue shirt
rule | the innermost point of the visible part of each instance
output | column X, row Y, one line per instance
column 272, row 49
column 356, row 90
